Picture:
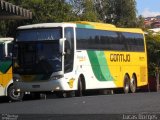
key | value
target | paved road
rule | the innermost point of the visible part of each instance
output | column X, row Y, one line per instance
column 99, row 104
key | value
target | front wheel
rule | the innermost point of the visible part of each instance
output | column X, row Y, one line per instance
column 14, row 95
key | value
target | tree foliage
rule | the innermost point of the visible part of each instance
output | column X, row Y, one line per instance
column 84, row 10
column 125, row 13
column 153, row 49
column 89, row 13
column 119, row 12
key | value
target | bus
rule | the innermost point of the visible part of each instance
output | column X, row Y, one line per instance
column 6, row 82
column 79, row 56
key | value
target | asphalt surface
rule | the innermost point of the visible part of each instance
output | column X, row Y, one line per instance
column 137, row 103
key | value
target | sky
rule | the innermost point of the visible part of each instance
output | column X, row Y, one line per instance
column 148, row 8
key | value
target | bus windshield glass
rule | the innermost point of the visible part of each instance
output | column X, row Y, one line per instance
column 39, row 34
column 37, row 51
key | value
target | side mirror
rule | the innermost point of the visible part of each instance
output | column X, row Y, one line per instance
column 62, row 45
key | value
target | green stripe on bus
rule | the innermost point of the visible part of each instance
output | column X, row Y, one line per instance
column 5, row 65
column 99, row 65
column 84, row 26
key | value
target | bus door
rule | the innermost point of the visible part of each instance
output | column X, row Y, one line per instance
column 69, row 49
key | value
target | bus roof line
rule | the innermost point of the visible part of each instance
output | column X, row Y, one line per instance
column 46, row 25
column 106, row 26
column 96, row 24
column 83, row 24
column 6, row 39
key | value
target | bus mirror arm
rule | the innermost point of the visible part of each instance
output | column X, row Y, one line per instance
column 62, row 45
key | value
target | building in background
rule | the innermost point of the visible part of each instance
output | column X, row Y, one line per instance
column 11, row 11
column 152, row 22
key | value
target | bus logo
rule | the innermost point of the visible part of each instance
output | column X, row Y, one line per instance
column 70, row 83
column 120, row 58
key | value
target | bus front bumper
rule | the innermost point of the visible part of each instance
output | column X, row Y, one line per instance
column 54, row 85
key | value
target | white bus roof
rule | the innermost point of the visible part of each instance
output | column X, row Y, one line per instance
column 6, row 39
column 47, row 25
column 94, row 25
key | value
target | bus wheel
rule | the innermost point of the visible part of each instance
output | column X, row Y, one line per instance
column 14, row 95
column 79, row 92
column 126, row 85
column 133, row 84
column 60, row 94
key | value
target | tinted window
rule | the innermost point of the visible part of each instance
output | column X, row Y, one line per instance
column 133, row 41
column 42, row 57
column 39, row 34
column 109, row 40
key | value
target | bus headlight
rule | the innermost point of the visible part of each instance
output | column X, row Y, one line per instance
column 56, row 77
column 15, row 79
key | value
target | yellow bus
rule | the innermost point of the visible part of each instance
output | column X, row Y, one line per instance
column 6, row 82
column 79, row 56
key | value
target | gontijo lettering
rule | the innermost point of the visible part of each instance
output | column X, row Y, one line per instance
column 120, row 57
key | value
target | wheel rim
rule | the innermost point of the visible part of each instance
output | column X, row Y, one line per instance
column 133, row 85
column 15, row 94
column 126, row 85
column 126, row 88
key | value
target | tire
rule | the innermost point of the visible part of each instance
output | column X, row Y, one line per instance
column 70, row 94
column 79, row 92
column 60, row 94
column 133, row 84
column 126, row 85
column 14, row 95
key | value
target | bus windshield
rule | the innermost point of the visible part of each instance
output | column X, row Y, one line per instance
column 37, row 51
column 39, row 34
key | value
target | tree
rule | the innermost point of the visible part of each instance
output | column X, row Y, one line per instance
column 153, row 49
column 102, row 7
column 140, row 22
column 124, row 14
column 84, row 10
column 49, row 10
column 119, row 12
column 89, row 13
